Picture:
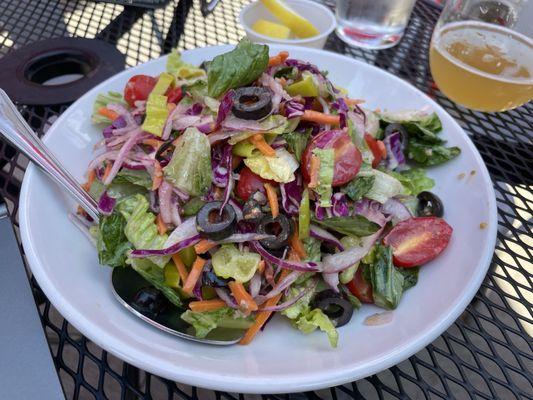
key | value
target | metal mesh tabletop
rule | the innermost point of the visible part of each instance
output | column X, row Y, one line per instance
column 487, row 353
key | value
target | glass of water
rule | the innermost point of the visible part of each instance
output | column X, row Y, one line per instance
column 372, row 24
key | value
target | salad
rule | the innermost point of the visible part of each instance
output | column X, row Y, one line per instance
column 252, row 185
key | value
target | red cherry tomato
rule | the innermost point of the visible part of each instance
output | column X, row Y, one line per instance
column 348, row 158
column 174, row 95
column 138, row 88
column 375, row 148
column 416, row 241
column 361, row 288
column 249, row 183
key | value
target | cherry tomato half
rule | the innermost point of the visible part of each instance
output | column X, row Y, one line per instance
column 348, row 158
column 361, row 288
column 376, row 149
column 174, row 95
column 249, row 183
column 416, row 241
column 138, row 88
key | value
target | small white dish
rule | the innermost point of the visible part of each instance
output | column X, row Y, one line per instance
column 280, row 359
column 319, row 15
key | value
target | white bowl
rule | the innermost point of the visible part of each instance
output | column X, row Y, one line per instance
column 320, row 16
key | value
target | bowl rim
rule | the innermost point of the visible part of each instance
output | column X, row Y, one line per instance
column 266, row 39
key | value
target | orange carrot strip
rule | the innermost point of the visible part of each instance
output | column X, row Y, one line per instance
column 180, row 266
column 153, row 142
column 106, row 112
column 382, row 148
column 278, row 59
column 242, row 297
column 296, row 245
column 272, row 197
column 203, row 246
column 206, row 305
column 158, row 176
column 259, row 141
column 320, row 118
column 171, row 107
column 107, row 170
column 261, row 266
column 194, row 275
column 353, row 102
column 313, row 171
column 91, row 176
column 161, row 226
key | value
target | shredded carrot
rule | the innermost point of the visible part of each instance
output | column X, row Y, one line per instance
column 262, row 316
column 293, row 256
column 242, row 297
column 91, row 176
column 282, row 81
column 320, row 118
column 171, row 107
column 278, row 59
column 158, row 176
column 161, row 226
column 180, row 266
column 382, row 148
column 106, row 112
column 313, row 171
column 206, row 305
column 353, row 102
column 107, row 171
column 272, row 197
column 81, row 211
column 296, row 245
column 261, row 266
column 259, row 141
column 203, row 246
column 194, row 275
column 153, row 142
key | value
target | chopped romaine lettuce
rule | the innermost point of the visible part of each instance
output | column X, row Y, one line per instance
column 356, row 225
column 325, row 175
column 359, row 187
column 111, row 242
column 414, row 180
column 163, row 83
column 279, row 168
column 302, row 305
column 385, row 186
column 190, row 167
column 156, row 114
column 229, row 262
column 311, row 320
column 205, row 322
column 102, row 100
column 185, row 73
column 297, row 142
column 135, row 177
column 387, row 281
column 428, row 155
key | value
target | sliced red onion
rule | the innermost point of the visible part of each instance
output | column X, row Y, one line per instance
column 195, row 109
column 309, row 266
column 219, row 136
column 244, row 237
column 106, row 204
column 165, row 201
column 205, row 127
column 154, row 202
column 188, row 121
column 340, row 205
column 98, row 160
column 181, row 194
column 175, row 209
column 279, row 287
column 332, row 280
column 340, row 261
column 225, row 297
column 358, row 121
column 396, row 209
column 239, row 125
column 291, row 301
column 178, row 112
column 123, row 112
column 169, row 250
column 371, row 210
column 134, row 138
column 278, row 93
column 322, row 212
column 291, row 195
column 133, row 166
column 255, row 284
column 185, row 230
column 224, row 109
column 340, row 105
column 395, row 156
column 325, row 236
column 221, row 160
column 302, row 66
column 118, row 123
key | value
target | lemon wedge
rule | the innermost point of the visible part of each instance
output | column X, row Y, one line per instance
column 271, row 29
column 300, row 26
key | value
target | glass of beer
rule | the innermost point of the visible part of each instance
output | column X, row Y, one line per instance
column 481, row 53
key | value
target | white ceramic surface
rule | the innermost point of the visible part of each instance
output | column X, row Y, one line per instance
column 280, row 359
column 320, row 16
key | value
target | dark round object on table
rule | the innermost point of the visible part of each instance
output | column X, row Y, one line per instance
column 213, row 224
column 429, row 205
column 252, row 102
column 337, row 308
column 149, row 301
column 28, row 73
column 280, row 227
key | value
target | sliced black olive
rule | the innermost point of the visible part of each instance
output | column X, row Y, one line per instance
column 338, row 309
column 162, row 149
column 429, row 205
column 395, row 127
column 252, row 102
column 280, row 227
column 149, row 301
column 252, row 210
column 211, row 279
column 213, row 224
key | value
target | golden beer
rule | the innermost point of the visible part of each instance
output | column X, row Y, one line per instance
column 482, row 66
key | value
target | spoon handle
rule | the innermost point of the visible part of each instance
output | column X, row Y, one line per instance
column 15, row 129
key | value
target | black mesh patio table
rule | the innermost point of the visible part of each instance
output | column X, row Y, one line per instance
column 485, row 354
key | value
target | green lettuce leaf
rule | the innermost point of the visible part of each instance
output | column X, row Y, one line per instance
column 229, row 262
column 156, row 114
column 205, row 322
column 385, row 186
column 302, row 305
column 312, row 249
column 359, row 187
column 311, row 320
column 325, row 175
column 414, row 180
column 193, row 206
column 428, row 155
column 164, row 81
column 419, row 124
column 355, row 225
column 111, row 242
column 190, row 166
column 387, row 281
column 102, row 100
column 410, row 277
column 140, row 228
column 185, row 73
column 279, row 168
column 135, row 177
column 297, row 142
column 237, row 68
column 272, row 125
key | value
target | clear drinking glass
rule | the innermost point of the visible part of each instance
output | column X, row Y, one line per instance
column 481, row 53
column 372, row 24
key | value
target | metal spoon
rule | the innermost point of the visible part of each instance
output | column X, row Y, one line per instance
column 125, row 282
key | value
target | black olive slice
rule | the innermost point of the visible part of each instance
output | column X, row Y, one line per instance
column 280, row 227
column 429, row 205
column 338, row 309
column 252, row 102
column 211, row 279
column 149, row 301
column 213, row 224
column 162, row 149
